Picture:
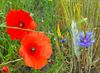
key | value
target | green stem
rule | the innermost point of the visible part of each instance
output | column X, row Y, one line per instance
column 16, row 28
column 89, row 59
column 11, row 61
column 79, row 67
column 24, row 29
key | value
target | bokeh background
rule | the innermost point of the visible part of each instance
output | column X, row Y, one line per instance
column 54, row 17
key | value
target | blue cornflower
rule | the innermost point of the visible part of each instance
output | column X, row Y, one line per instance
column 86, row 40
column 63, row 40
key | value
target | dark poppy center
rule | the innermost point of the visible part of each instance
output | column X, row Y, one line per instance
column 32, row 49
column 21, row 25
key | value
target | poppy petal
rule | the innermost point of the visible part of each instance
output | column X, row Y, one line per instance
column 36, row 63
column 19, row 19
column 42, row 50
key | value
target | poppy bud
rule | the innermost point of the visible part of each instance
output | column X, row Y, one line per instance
column 51, row 61
column 5, row 69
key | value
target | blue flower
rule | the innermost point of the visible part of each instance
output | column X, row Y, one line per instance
column 63, row 40
column 86, row 40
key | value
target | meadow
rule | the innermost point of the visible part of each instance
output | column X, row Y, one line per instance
column 62, row 21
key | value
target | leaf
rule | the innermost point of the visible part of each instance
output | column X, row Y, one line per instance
column 83, row 20
column 75, row 39
column 2, row 39
column 2, row 25
column 58, row 31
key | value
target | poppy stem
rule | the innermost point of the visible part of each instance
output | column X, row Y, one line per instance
column 18, row 28
column 11, row 61
column 23, row 29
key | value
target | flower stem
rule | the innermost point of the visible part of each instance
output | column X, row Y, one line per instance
column 17, row 28
column 90, row 49
column 25, row 29
column 79, row 67
column 11, row 61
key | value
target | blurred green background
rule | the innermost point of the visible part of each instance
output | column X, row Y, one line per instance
column 54, row 17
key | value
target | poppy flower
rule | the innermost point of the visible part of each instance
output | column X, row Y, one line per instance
column 86, row 40
column 19, row 19
column 35, row 50
column 5, row 69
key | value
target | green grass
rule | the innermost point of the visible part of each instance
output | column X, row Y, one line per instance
column 54, row 17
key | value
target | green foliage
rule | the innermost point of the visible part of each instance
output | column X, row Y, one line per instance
column 54, row 17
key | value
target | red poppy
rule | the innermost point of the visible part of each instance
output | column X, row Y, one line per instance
column 5, row 69
column 20, row 19
column 35, row 50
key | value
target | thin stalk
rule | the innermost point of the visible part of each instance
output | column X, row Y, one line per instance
column 11, row 61
column 79, row 67
column 24, row 29
column 89, row 59
column 17, row 28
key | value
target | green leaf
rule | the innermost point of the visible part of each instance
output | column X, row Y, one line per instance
column 3, row 25
column 75, row 39
column 58, row 30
